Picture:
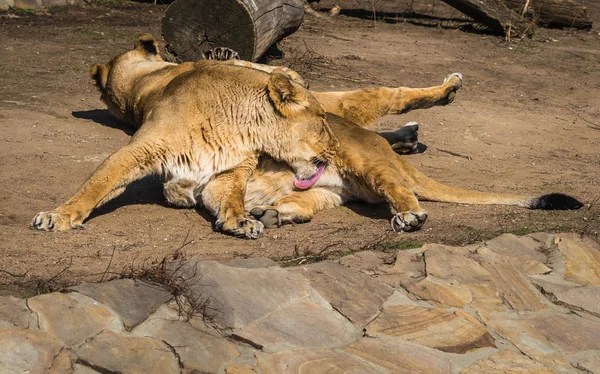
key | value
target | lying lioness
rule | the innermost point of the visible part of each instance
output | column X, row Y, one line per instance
column 198, row 120
column 364, row 167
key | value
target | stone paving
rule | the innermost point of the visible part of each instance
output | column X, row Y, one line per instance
column 527, row 304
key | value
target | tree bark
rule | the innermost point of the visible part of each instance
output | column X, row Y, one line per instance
column 495, row 15
column 250, row 27
column 553, row 13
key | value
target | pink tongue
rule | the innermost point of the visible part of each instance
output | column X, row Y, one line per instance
column 303, row 184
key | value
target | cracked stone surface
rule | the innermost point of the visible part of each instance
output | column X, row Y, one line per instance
column 436, row 328
column 14, row 313
column 132, row 300
column 109, row 351
column 239, row 295
column 72, row 317
column 508, row 305
column 300, row 326
column 352, row 293
column 27, row 351
column 198, row 346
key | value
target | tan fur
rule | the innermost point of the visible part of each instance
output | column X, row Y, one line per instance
column 197, row 120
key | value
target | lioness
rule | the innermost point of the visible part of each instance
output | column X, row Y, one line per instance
column 197, row 120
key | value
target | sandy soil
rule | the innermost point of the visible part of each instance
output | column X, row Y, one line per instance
column 528, row 118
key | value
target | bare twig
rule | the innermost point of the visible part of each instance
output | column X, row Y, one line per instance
column 112, row 255
column 14, row 275
column 455, row 154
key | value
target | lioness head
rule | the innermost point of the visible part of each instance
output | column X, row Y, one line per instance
column 311, row 137
column 115, row 79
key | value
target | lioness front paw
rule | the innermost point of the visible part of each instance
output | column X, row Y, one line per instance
column 268, row 216
column 408, row 221
column 454, row 82
column 241, row 227
column 221, row 54
column 54, row 221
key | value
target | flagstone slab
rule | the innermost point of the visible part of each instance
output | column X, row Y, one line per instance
column 517, row 246
column 132, row 300
column 236, row 295
column 582, row 259
column 586, row 361
column 72, row 317
column 239, row 369
column 570, row 332
column 456, row 332
column 112, row 352
column 63, row 363
column 448, row 263
column 525, row 336
column 409, row 266
column 354, row 294
column 366, row 260
column 507, row 362
column 399, row 356
column 514, row 288
column 198, row 346
column 27, row 351
column 303, row 325
column 522, row 263
column 571, row 295
column 14, row 313
column 314, row 362
column 441, row 292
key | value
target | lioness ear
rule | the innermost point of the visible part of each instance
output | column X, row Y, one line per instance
column 288, row 97
column 99, row 74
column 146, row 43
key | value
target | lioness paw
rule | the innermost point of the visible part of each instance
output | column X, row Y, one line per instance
column 269, row 217
column 408, row 221
column 241, row 227
column 53, row 221
column 454, row 83
column 221, row 54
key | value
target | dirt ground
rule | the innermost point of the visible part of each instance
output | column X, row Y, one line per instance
column 527, row 121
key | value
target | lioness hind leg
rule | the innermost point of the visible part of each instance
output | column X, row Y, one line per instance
column 181, row 193
column 297, row 207
column 405, row 140
column 117, row 171
column 364, row 107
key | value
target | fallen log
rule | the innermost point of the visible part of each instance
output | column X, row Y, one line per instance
column 495, row 15
column 553, row 13
column 250, row 27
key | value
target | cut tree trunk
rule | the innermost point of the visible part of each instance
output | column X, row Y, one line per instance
column 553, row 13
column 250, row 27
column 495, row 15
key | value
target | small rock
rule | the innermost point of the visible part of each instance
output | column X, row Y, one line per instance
column 365, row 260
